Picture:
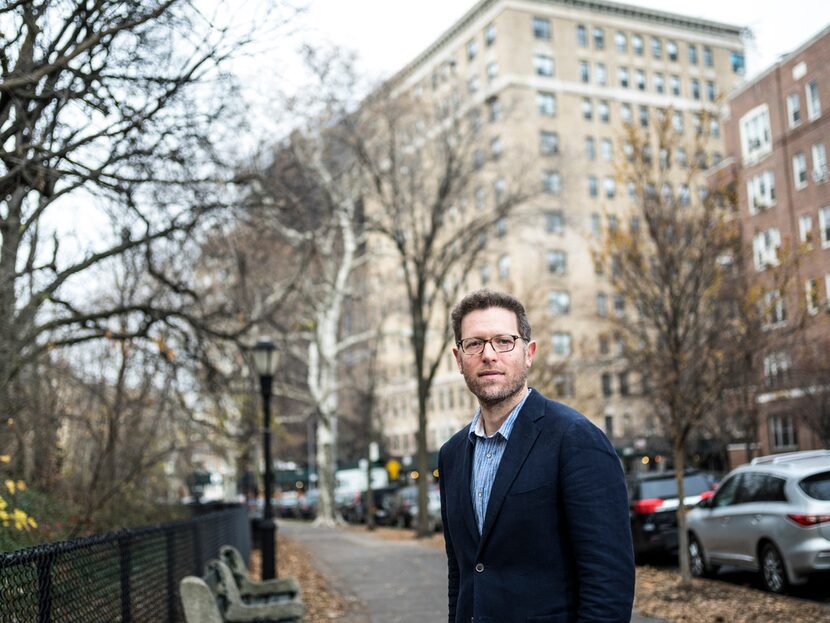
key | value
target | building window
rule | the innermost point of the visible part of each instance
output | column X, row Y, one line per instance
column 695, row 88
column 548, row 143
column 819, row 154
column 603, row 344
column 606, row 150
column 800, row 170
column 680, row 157
column 622, row 77
column 584, row 71
column 543, row 65
column 711, row 95
column 604, row 111
column 485, row 275
column 599, row 38
column 637, row 44
column 811, row 294
column 554, row 222
column 481, row 198
column 774, row 311
column 777, row 366
column 659, row 83
column 677, row 121
column 601, row 74
column 605, row 379
column 782, row 432
column 581, row 36
column 765, row 246
column 793, row 109
column 596, row 229
column 504, row 267
column 609, row 426
column 546, row 104
column 478, row 159
column 492, row 71
column 499, row 189
column 541, row 28
column 708, row 59
column 824, row 226
column 493, row 109
column 714, row 127
column 644, row 116
column 559, row 303
column 472, row 48
column 587, row 109
column 557, row 262
column 593, row 186
column 692, row 54
column 622, row 377
column 813, row 102
column 738, row 62
column 674, row 81
column 805, row 230
column 619, row 305
column 625, row 113
column 563, row 385
column 551, row 182
column 561, row 343
column 473, row 84
column 755, row 133
column 640, row 79
column 602, row 305
column 496, row 148
column 610, row 187
column 490, row 34
column 760, row 190
column 590, row 148
column 656, row 47
column 671, row 50
column 620, row 41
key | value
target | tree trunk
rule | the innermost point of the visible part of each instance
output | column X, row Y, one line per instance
column 682, row 533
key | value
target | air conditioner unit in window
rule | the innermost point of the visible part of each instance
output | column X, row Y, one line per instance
column 760, row 202
column 754, row 143
column 820, row 174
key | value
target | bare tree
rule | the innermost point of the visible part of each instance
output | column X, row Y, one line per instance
column 110, row 114
column 672, row 269
column 422, row 162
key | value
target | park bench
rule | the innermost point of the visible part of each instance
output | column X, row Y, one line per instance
column 216, row 598
column 252, row 591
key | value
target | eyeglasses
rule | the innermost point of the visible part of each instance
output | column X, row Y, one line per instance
column 500, row 344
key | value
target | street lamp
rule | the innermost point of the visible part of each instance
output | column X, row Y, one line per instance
column 265, row 361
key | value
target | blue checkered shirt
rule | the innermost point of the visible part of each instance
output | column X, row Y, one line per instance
column 486, row 458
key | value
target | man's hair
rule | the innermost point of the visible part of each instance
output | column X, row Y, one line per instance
column 485, row 299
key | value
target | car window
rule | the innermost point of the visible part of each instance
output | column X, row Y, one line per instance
column 726, row 493
column 693, row 484
column 760, row 488
column 817, row 486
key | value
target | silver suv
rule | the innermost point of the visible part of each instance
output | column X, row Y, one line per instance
column 771, row 515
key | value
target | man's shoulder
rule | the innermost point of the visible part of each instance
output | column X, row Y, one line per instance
column 553, row 416
column 456, row 441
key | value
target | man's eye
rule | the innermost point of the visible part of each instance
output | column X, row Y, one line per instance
column 504, row 341
column 473, row 343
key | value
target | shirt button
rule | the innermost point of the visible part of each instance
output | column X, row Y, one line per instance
column 489, row 456
column 479, row 567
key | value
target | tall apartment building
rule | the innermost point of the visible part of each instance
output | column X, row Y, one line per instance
column 777, row 133
column 560, row 79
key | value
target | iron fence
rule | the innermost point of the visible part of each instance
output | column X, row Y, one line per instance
column 129, row 576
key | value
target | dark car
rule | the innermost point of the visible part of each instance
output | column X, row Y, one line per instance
column 653, row 506
column 355, row 510
column 404, row 507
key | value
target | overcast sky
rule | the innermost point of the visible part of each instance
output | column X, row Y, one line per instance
column 387, row 34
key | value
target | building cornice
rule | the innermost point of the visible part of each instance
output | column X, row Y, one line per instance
column 600, row 7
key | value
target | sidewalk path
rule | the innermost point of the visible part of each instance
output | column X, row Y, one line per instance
column 385, row 581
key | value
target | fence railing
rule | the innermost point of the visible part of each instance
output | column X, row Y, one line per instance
column 129, row 576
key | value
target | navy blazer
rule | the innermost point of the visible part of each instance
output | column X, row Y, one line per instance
column 556, row 542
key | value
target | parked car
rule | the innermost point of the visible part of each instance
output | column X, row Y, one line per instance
column 404, row 507
column 355, row 508
column 653, row 506
column 286, row 505
column 771, row 515
column 307, row 504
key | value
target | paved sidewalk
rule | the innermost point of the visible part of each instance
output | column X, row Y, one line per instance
column 385, row 581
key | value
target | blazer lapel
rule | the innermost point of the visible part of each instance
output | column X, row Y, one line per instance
column 521, row 440
column 466, row 496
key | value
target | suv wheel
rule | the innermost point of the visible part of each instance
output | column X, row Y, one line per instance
column 773, row 571
column 698, row 564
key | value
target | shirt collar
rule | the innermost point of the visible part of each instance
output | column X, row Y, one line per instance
column 477, row 425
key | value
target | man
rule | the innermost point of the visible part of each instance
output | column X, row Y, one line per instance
column 533, row 498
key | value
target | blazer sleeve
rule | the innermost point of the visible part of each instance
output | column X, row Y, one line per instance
column 596, row 506
column 452, row 562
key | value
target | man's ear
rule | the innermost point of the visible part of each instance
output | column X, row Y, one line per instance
column 457, row 354
column 530, row 352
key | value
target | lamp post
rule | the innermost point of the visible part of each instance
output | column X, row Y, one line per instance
column 265, row 361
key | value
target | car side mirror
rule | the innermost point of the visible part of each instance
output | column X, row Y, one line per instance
column 706, row 502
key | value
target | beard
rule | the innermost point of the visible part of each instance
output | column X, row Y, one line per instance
column 491, row 391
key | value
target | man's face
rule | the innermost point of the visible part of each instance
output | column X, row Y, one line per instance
column 492, row 376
